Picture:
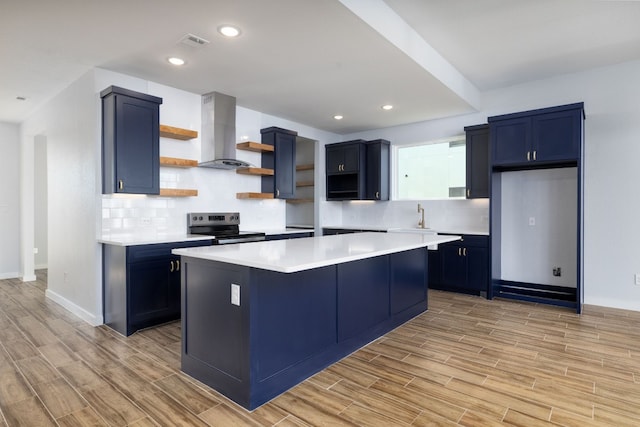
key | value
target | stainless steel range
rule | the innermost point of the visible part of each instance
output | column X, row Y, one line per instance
column 223, row 227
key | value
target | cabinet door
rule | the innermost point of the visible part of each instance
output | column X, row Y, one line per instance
column 335, row 159
column 510, row 141
column 351, row 158
column 285, row 166
column 454, row 265
column 137, row 150
column 477, row 156
column 377, row 170
column 154, row 292
column 556, row 136
column 408, row 285
column 477, row 269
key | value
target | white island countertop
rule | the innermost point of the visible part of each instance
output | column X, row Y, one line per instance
column 290, row 256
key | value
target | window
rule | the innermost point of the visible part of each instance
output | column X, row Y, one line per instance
column 434, row 170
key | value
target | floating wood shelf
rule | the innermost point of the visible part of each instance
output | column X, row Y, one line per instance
column 305, row 167
column 176, row 162
column 255, row 171
column 177, row 192
column 255, row 147
column 254, row 195
column 177, row 133
column 299, row 201
column 304, row 184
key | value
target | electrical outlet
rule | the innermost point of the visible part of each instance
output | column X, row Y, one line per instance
column 532, row 221
column 65, row 275
column 35, row 250
column 557, row 271
column 637, row 278
column 145, row 221
column 235, row 294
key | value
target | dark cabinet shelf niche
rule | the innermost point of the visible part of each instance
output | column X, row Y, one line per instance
column 282, row 160
column 477, row 161
column 358, row 170
column 141, row 285
column 130, row 142
column 539, row 138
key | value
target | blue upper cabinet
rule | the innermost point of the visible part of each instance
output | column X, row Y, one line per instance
column 282, row 160
column 537, row 138
column 377, row 169
column 346, row 170
column 130, row 142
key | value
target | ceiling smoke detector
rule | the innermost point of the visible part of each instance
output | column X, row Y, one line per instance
column 193, row 40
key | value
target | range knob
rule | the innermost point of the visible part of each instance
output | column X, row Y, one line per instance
column 195, row 218
column 200, row 218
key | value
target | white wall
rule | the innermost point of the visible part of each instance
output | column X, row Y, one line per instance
column 539, row 227
column 612, row 198
column 40, row 202
column 9, row 201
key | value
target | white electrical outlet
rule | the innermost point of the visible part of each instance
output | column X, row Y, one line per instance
column 235, row 294
column 35, row 250
column 637, row 278
column 145, row 221
column 532, row 220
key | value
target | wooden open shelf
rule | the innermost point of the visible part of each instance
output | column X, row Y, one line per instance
column 308, row 167
column 255, row 171
column 254, row 196
column 304, row 184
column 177, row 133
column 177, row 192
column 256, row 147
column 178, row 163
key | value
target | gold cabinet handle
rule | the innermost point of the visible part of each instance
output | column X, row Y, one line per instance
column 528, row 155
column 377, row 194
column 464, row 251
column 277, row 193
column 459, row 251
column 120, row 184
column 172, row 268
column 468, row 193
column 178, row 265
column 534, row 154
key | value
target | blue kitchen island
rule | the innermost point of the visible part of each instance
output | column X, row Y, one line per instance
column 259, row 318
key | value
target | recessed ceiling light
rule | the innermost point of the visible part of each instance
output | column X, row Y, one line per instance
column 176, row 61
column 338, row 117
column 229, row 31
column 387, row 107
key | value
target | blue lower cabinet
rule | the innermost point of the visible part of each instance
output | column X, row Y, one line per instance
column 463, row 265
column 141, row 285
column 283, row 328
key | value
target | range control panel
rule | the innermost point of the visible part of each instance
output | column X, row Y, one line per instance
column 217, row 218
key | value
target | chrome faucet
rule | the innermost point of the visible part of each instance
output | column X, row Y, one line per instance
column 421, row 211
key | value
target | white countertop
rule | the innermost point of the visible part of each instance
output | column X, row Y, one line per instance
column 288, row 230
column 135, row 239
column 289, row 256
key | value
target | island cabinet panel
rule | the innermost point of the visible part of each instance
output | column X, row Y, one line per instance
column 363, row 295
column 289, row 326
column 408, row 285
column 287, row 307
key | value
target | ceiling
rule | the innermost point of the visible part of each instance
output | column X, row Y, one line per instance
column 308, row 60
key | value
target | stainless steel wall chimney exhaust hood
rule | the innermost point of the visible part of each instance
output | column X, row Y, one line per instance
column 218, row 136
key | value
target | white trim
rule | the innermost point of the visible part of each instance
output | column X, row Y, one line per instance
column 41, row 266
column 90, row 318
column 11, row 275
column 29, row 278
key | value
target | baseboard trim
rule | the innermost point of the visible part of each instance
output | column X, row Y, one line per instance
column 10, row 275
column 74, row 308
column 30, row 278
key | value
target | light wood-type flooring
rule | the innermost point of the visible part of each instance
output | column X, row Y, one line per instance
column 466, row 361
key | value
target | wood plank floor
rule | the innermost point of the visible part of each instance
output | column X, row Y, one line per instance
column 467, row 361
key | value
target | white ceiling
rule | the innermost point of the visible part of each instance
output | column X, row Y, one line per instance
column 307, row 60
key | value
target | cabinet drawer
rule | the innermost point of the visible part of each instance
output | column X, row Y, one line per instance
column 161, row 250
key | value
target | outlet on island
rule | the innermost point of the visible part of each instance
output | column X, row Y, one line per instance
column 557, row 271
